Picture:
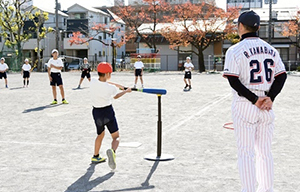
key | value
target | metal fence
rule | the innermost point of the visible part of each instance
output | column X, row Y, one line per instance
column 167, row 62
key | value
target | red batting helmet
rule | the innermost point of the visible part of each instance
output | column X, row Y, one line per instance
column 104, row 67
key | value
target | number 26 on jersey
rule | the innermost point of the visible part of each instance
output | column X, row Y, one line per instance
column 257, row 75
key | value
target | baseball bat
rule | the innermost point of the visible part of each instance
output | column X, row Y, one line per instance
column 150, row 90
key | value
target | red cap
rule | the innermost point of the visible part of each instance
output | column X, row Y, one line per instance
column 104, row 67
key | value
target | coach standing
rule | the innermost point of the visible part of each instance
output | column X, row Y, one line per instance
column 256, row 73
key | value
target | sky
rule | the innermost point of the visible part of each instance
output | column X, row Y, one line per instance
column 97, row 3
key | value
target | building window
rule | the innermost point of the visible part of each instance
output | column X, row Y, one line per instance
column 105, row 20
column 104, row 35
column 100, row 54
column 284, row 53
column 0, row 39
column 100, row 37
column 103, row 53
column 79, row 16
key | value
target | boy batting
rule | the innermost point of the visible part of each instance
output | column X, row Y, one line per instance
column 256, row 73
column 102, row 94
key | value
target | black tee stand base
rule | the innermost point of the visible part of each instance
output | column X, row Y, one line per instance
column 159, row 156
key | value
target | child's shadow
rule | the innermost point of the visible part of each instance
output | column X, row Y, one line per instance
column 83, row 184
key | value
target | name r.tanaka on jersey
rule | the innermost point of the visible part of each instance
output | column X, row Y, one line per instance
column 259, row 50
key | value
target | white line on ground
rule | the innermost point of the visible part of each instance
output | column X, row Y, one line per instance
column 207, row 107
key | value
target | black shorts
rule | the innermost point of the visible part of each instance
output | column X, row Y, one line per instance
column 188, row 75
column 86, row 74
column 138, row 72
column 3, row 75
column 56, row 79
column 26, row 74
column 105, row 116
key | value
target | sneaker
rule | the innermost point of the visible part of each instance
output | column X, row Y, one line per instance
column 53, row 102
column 78, row 87
column 98, row 159
column 65, row 102
column 142, row 86
column 134, row 86
column 190, row 86
column 6, row 86
column 111, row 158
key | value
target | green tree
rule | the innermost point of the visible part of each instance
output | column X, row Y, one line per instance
column 12, row 21
column 38, row 19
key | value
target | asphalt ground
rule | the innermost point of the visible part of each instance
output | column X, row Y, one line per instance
column 49, row 148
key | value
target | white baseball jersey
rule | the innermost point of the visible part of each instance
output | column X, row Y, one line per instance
column 57, row 63
column 138, row 65
column 188, row 65
column 26, row 67
column 255, row 63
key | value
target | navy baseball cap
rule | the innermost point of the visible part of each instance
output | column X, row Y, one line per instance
column 249, row 18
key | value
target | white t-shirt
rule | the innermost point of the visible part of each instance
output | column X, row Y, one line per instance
column 26, row 67
column 102, row 93
column 57, row 63
column 138, row 65
column 188, row 65
column 3, row 66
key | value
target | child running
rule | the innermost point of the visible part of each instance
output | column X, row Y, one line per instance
column 102, row 93
column 3, row 69
column 86, row 69
column 55, row 66
column 26, row 72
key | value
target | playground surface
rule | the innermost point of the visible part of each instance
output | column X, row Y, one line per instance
column 49, row 148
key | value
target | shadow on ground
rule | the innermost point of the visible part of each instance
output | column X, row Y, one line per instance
column 79, row 88
column 144, row 186
column 83, row 184
column 40, row 108
column 14, row 88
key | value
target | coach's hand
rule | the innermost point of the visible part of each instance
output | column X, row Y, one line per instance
column 260, row 101
column 50, row 78
column 267, row 104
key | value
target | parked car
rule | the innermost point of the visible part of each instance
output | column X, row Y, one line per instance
column 74, row 65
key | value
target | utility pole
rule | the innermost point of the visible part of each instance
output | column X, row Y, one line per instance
column 270, row 22
column 56, row 26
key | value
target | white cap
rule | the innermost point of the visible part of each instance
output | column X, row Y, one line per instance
column 26, row 60
column 85, row 58
column 188, row 58
column 54, row 50
column 139, row 56
column 2, row 58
